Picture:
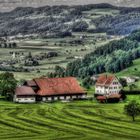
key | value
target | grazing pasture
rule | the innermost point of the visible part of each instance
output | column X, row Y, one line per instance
column 78, row 120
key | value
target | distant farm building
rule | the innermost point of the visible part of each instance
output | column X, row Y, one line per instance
column 131, row 79
column 107, row 87
column 49, row 89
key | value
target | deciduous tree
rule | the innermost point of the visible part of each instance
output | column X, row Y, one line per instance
column 132, row 109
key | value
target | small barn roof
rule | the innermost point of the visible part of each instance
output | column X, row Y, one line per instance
column 58, row 86
column 101, row 98
column 24, row 90
column 114, row 96
column 105, row 79
column 31, row 83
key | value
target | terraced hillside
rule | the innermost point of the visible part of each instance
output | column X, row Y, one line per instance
column 66, row 121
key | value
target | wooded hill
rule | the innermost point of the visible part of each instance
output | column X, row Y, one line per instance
column 63, row 20
column 112, row 57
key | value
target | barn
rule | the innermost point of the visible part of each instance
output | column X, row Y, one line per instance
column 49, row 89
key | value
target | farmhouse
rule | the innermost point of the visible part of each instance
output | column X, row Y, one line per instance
column 49, row 89
column 107, row 89
column 107, row 85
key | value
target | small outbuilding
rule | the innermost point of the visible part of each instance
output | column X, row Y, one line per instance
column 113, row 98
column 24, row 94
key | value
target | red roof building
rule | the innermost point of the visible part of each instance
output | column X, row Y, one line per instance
column 48, row 89
column 58, row 86
column 105, row 80
column 24, row 94
column 107, row 85
column 109, row 98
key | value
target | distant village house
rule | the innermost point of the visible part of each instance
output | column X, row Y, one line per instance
column 131, row 79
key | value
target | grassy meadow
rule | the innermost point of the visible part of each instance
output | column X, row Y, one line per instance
column 133, row 70
column 78, row 120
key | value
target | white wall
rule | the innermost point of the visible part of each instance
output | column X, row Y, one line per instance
column 100, row 90
column 25, row 100
column 44, row 99
column 55, row 98
column 115, row 87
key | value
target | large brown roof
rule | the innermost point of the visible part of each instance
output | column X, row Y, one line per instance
column 58, row 86
column 24, row 90
column 105, row 79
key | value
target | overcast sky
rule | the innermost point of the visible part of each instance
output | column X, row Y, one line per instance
column 7, row 5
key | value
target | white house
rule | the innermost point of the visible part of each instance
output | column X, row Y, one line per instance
column 107, row 85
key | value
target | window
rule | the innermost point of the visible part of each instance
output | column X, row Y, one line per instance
column 115, row 83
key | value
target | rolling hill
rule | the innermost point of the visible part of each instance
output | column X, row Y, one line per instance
column 6, row 5
column 62, row 20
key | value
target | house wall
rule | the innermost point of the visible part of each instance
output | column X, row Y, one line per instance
column 32, row 99
column 21, row 99
column 100, row 90
column 115, row 87
column 64, row 97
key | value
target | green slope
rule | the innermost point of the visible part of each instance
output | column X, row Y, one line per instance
column 133, row 70
column 83, row 120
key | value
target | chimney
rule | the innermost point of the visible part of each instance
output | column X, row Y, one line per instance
column 106, row 76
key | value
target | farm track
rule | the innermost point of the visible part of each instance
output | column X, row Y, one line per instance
column 70, row 121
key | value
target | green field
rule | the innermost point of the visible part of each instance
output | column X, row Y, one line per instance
column 79, row 120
